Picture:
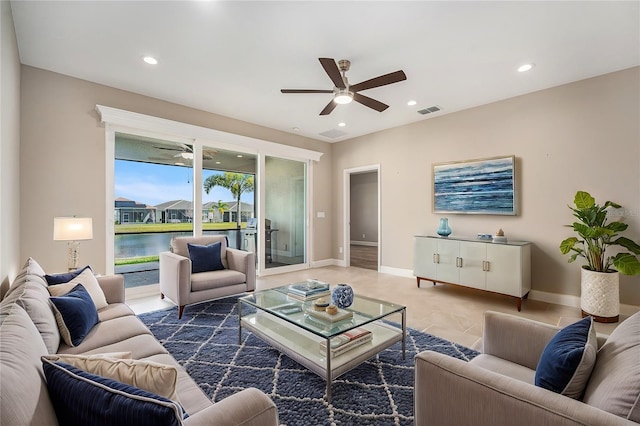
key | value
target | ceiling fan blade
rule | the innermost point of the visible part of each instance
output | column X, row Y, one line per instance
column 333, row 71
column 382, row 80
column 305, row 91
column 371, row 103
column 330, row 107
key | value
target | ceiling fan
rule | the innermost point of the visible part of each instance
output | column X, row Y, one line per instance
column 186, row 152
column 345, row 93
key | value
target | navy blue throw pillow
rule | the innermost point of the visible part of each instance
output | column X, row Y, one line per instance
column 64, row 278
column 205, row 258
column 568, row 359
column 75, row 314
column 81, row 398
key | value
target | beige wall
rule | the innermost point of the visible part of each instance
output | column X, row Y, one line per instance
column 580, row 136
column 560, row 137
column 62, row 164
column 9, row 147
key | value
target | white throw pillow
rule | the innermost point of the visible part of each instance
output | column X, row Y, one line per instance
column 153, row 377
column 89, row 282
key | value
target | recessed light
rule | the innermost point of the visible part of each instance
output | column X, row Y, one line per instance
column 150, row 60
column 525, row 67
column 239, row 155
column 217, row 162
column 412, row 103
column 342, row 124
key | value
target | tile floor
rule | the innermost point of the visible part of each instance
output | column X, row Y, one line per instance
column 447, row 311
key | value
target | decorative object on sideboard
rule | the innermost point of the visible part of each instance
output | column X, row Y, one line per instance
column 482, row 186
column 342, row 295
column 599, row 280
column 444, row 230
column 72, row 230
column 499, row 237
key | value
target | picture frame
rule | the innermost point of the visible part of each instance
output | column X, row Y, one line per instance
column 480, row 186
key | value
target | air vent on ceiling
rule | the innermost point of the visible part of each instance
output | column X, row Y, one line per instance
column 333, row 133
column 429, row 110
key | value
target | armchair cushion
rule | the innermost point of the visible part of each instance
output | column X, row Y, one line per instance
column 568, row 359
column 614, row 385
column 205, row 258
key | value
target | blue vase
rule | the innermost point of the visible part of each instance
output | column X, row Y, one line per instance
column 444, row 230
column 342, row 296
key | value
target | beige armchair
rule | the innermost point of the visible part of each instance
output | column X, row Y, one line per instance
column 497, row 387
column 183, row 287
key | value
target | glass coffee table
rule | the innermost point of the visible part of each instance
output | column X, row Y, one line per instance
column 285, row 323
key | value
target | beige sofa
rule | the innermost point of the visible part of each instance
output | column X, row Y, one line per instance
column 183, row 287
column 497, row 387
column 28, row 330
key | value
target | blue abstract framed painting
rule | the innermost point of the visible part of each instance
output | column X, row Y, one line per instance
column 483, row 186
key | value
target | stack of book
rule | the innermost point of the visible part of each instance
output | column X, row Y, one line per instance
column 308, row 290
column 346, row 341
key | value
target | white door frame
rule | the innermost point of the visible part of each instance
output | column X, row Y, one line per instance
column 346, row 202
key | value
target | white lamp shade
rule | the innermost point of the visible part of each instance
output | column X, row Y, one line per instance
column 72, row 228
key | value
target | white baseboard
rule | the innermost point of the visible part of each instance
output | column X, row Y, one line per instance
column 364, row 243
column 328, row 262
column 556, row 298
column 407, row 273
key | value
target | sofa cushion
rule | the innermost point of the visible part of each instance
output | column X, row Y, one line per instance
column 90, row 283
column 76, row 315
column 34, row 299
column 614, row 385
column 24, row 399
column 568, row 359
column 205, row 258
column 32, row 272
column 54, row 279
column 151, row 376
column 83, row 398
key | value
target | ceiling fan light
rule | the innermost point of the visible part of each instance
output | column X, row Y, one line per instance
column 343, row 98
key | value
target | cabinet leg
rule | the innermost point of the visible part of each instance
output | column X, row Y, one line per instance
column 418, row 281
column 519, row 303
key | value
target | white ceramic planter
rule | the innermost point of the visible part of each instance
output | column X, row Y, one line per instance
column 600, row 296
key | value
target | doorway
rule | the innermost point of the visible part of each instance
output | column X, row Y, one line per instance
column 362, row 217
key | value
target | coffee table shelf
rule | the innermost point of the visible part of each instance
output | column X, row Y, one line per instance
column 299, row 336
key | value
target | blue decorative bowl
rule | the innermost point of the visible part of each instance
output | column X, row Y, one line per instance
column 342, row 296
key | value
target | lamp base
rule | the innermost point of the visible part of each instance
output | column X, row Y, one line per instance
column 72, row 255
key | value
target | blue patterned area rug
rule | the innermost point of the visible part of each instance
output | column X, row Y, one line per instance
column 378, row 392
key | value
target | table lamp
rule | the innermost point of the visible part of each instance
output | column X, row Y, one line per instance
column 73, row 230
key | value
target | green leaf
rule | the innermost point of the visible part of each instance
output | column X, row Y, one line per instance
column 627, row 264
column 584, row 200
column 567, row 245
column 628, row 244
column 617, row 226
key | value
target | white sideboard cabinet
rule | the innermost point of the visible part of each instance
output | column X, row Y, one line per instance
column 503, row 268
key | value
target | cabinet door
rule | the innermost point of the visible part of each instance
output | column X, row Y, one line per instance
column 504, row 274
column 473, row 256
column 448, row 252
column 424, row 260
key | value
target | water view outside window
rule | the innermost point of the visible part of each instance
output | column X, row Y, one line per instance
column 154, row 204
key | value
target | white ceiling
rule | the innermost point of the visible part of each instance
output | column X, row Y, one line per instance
column 233, row 57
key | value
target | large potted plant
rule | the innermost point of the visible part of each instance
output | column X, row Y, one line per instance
column 600, row 276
